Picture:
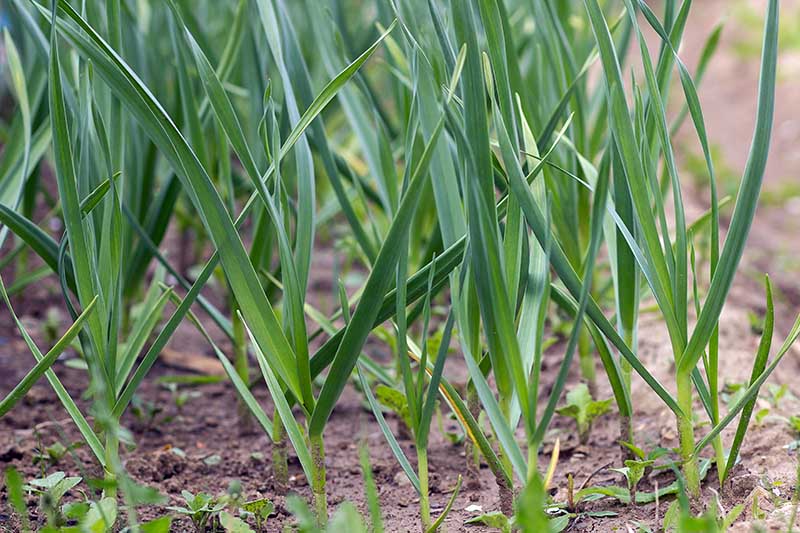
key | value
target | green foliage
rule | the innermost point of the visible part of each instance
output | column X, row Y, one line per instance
column 479, row 163
column 16, row 497
column 634, row 471
column 52, row 455
column 584, row 410
column 51, row 490
column 232, row 524
column 201, row 508
column 395, row 400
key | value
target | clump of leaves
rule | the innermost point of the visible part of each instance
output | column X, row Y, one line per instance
column 259, row 510
column 794, row 423
column 634, row 470
column 395, row 401
column 51, row 490
column 92, row 517
column 680, row 518
column 201, row 508
column 584, row 410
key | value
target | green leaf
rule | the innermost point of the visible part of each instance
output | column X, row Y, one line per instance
column 101, row 516
column 492, row 519
column 45, row 362
column 231, row 524
column 583, row 409
column 397, row 451
column 759, row 364
column 746, row 200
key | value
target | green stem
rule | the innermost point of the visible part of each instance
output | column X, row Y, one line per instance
column 505, row 492
column 587, row 361
column 112, row 449
column 280, row 464
column 424, row 497
column 533, row 459
column 686, row 433
column 472, row 452
column 241, row 365
column 626, row 422
column 318, row 483
column 713, row 385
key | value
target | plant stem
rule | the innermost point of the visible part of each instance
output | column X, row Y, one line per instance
column 112, row 449
column 242, row 367
column 686, row 433
column 626, row 422
column 280, row 466
column 470, row 450
column 713, row 385
column 587, row 361
column 533, row 459
column 424, row 497
column 318, row 483
column 505, row 491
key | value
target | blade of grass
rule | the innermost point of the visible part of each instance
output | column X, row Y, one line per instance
column 44, row 364
column 66, row 400
column 759, row 364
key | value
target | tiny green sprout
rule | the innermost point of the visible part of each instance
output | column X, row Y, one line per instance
column 212, row 460
column 52, row 455
column 756, row 322
column 234, row 492
column 51, row 490
column 634, row 470
column 259, row 509
column 755, row 508
column 148, row 413
column 232, row 524
column 394, row 400
column 794, row 423
column 200, row 508
column 777, row 393
column 493, row 519
column 180, row 397
column 584, row 410
column 51, row 325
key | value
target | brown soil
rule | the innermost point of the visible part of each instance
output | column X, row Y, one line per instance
column 207, row 425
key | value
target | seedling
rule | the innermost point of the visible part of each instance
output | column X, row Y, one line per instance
column 634, row 471
column 260, row 510
column 51, row 490
column 584, row 410
column 52, row 455
column 201, row 508
column 148, row 413
column 394, row 400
